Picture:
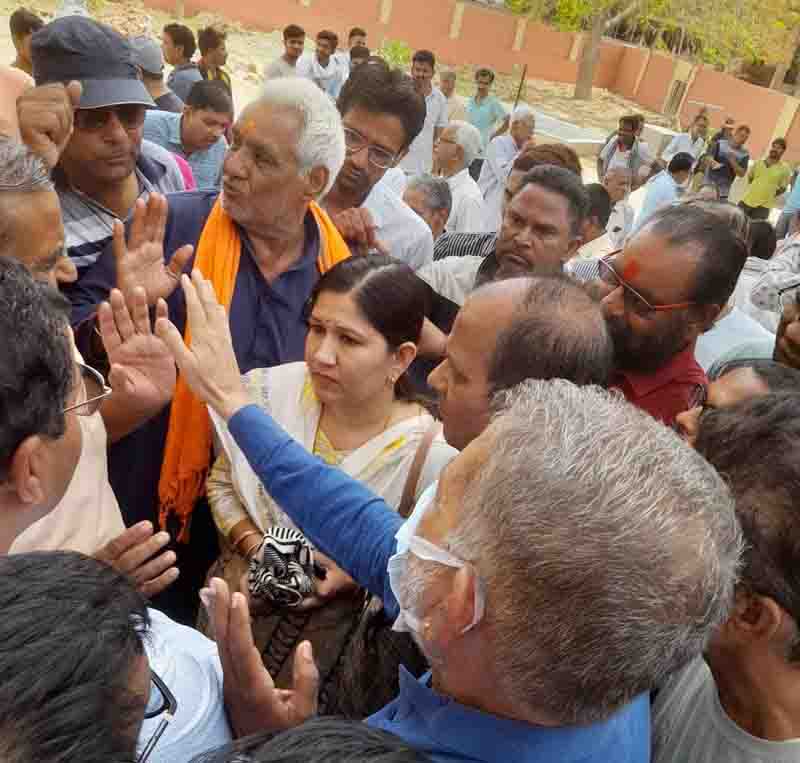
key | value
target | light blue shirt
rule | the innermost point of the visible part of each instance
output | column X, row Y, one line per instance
column 164, row 128
column 661, row 191
column 182, row 79
column 485, row 115
column 792, row 204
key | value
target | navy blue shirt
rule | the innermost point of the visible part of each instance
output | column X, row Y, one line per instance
column 357, row 530
column 267, row 324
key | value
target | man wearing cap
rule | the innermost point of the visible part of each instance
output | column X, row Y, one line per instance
column 105, row 165
column 150, row 60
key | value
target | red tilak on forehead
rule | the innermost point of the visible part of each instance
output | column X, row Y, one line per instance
column 630, row 270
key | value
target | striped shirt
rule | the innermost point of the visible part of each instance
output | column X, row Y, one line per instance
column 464, row 245
column 88, row 226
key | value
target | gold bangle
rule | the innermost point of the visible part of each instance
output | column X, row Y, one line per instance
column 242, row 537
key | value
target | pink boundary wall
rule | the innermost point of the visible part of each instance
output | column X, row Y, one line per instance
column 486, row 37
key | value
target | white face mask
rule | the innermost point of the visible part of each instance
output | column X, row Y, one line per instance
column 408, row 542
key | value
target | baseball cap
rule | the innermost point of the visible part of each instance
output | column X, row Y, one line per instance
column 147, row 54
column 101, row 59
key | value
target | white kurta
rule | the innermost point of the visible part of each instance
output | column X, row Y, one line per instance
column 468, row 213
column 327, row 78
column 419, row 158
column 500, row 156
column 398, row 227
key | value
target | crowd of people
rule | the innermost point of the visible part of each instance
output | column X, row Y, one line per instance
column 353, row 425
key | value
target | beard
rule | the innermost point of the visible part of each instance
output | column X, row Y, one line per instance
column 649, row 355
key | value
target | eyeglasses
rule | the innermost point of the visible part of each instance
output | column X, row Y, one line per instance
column 641, row 305
column 130, row 116
column 93, row 391
column 161, row 702
column 380, row 157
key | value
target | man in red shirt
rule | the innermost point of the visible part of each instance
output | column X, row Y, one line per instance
column 662, row 291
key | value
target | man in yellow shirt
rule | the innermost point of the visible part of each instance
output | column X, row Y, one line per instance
column 767, row 179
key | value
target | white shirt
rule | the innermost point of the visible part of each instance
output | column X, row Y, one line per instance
column 453, row 277
column 280, row 68
column 660, row 191
column 456, row 108
column 327, row 78
column 730, row 331
column 467, row 215
column 500, row 156
column 683, row 144
column 691, row 726
column 597, row 248
column 342, row 58
column 189, row 665
column 752, row 272
column 398, row 227
column 419, row 158
column 620, row 223
column 395, row 179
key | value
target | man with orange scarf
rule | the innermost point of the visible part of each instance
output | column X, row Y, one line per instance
column 263, row 242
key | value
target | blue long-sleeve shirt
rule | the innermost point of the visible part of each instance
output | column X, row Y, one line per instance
column 340, row 516
column 357, row 529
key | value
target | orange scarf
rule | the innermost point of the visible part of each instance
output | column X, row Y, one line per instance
column 187, row 453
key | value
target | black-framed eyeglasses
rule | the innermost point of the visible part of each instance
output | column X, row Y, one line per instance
column 354, row 142
column 93, row 391
column 609, row 274
column 161, row 702
column 130, row 116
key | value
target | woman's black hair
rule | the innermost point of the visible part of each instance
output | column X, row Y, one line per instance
column 389, row 295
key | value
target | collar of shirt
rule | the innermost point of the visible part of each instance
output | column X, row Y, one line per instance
column 459, row 180
column 488, row 270
column 437, row 723
column 681, row 368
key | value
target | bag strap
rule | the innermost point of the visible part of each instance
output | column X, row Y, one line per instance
column 414, row 473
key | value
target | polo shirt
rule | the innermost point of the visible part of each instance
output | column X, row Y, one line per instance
column 765, row 183
column 485, row 115
column 182, row 78
column 358, row 530
column 467, row 214
column 88, row 225
column 164, row 128
column 419, row 158
column 398, row 227
column 667, row 392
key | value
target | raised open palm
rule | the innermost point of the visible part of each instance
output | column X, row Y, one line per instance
column 140, row 259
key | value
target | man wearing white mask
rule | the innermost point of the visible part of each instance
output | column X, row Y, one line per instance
column 494, row 598
column 665, row 188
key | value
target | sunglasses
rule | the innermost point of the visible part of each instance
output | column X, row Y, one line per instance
column 609, row 275
column 93, row 391
column 130, row 116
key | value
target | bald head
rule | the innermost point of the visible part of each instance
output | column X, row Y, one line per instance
column 512, row 330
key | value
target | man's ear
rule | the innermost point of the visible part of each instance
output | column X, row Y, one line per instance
column 316, row 181
column 754, row 618
column 26, row 466
column 708, row 316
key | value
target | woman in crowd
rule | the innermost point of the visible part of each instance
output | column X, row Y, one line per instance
column 351, row 404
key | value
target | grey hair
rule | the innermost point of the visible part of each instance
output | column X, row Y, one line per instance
column 609, row 550
column 436, row 191
column 523, row 113
column 322, row 139
column 469, row 138
column 447, row 74
column 21, row 171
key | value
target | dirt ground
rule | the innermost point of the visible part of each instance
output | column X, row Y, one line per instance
column 250, row 51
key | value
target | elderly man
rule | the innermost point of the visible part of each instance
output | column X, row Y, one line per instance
column 500, row 156
column 456, row 105
column 740, row 702
column 265, row 242
column 620, row 222
column 663, row 290
column 665, row 188
column 382, row 113
column 531, row 687
column 105, row 166
column 458, row 146
column 430, row 197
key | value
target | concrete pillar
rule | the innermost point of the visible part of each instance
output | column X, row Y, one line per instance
column 642, row 70
column 680, row 73
column 519, row 35
column 785, row 118
column 689, row 81
column 577, row 44
column 458, row 18
column 386, row 11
